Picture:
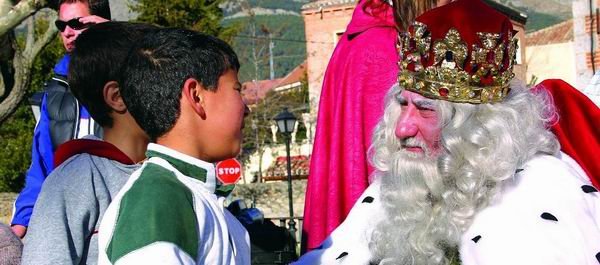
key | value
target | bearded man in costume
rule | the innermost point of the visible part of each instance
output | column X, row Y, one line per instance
column 467, row 170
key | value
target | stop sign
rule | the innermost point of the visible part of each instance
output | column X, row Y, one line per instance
column 229, row 171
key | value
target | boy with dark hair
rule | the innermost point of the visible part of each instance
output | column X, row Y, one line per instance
column 61, row 116
column 182, row 88
column 64, row 225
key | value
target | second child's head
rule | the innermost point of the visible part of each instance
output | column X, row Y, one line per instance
column 182, row 88
column 95, row 68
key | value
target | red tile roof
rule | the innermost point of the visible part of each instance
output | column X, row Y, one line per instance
column 278, row 170
column 294, row 76
column 254, row 91
column 327, row 3
column 559, row 33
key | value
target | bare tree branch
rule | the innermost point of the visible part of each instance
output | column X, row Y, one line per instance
column 30, row 33
column 22, row 63
column 2, row 85
column 45, row 39
column 22, row 77
column 5, row 6
column 20, row 12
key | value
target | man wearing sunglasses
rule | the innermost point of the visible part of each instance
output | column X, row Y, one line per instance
column 61, row 116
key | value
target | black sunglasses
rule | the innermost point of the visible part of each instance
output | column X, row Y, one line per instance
column 73, row 23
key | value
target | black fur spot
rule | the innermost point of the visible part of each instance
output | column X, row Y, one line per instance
column 342, row 255
column 588, row 189
column 368, row 199
column 549, row 216
column 476, row 239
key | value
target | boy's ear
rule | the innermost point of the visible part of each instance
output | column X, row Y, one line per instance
column 194, row 91
column 112, row 97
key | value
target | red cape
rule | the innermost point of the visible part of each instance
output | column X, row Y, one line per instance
column 578, row 126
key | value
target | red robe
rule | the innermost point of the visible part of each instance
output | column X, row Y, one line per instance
column 578, row 126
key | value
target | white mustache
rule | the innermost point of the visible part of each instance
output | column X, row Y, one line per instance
column 414, row 142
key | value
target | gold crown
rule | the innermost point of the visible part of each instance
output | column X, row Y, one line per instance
column 448, row 71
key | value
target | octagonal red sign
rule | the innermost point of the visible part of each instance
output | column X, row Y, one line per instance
column 229, row 171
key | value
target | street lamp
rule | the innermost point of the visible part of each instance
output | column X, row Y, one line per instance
column 286, row 122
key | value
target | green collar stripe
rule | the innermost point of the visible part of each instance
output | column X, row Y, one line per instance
column 224, row 190
column 157, row 208
column 185, row 168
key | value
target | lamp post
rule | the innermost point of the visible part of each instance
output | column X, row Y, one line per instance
column 286, row 122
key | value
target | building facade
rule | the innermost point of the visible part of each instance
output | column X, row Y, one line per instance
column 551, row 54
column 324, row 23
column 586, row 30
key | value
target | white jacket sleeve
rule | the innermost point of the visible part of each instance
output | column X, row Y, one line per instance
column 158, row 253
column 349, row 243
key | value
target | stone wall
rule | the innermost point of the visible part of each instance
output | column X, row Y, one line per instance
column 272, row 197
column 323, row 26
column 581, row 32
column 6, row 206
column 556, row 60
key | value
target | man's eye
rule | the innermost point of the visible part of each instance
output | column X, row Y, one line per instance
column 427, row 112
column 402, row 101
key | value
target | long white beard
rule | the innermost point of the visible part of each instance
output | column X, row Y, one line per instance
column 417, row 228
column 482, row 144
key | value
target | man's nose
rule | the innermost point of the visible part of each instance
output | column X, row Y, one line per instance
column 405, row 126
column 69, row 31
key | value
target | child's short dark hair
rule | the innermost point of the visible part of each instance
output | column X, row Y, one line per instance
column 158, row 67
column 97, row 59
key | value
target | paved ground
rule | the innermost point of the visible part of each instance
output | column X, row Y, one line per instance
column 6, row 206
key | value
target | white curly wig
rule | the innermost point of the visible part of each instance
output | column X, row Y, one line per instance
column 430, row 202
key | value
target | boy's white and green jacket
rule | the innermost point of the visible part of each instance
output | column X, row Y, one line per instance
column 169, row 212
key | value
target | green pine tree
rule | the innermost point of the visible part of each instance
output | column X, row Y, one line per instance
column 199, row 15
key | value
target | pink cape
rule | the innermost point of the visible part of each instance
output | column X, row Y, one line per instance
column 362, row 69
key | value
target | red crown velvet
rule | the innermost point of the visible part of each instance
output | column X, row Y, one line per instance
column 461, row 52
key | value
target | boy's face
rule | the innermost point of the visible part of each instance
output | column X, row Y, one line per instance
column 225, row 116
